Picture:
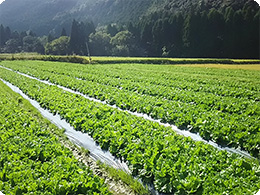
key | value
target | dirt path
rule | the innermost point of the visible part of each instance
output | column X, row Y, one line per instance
column 116, row 187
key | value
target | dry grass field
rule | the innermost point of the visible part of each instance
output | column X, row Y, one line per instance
column 226, row 66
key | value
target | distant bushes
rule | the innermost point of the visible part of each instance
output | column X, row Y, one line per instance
column 72, row 58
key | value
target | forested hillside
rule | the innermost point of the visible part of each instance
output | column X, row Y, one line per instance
column 44, row 16
column 224, row 31
column 173, row 28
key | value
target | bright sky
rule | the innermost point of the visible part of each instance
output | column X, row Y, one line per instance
column 258, row 1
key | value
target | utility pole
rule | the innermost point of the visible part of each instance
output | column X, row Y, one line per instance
column 88, row 52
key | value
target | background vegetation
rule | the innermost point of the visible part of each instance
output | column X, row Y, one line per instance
column 219, row 29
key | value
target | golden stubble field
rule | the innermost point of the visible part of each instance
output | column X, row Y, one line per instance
column 226, row 66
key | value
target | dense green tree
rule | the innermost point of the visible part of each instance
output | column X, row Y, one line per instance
column 7, row 33
column 228, row 15
column 32, row 44
column 124, row 44
column 15, row 35
column 191, row 29
column 77, row 41
column 100, row 43
column 2, row 35
column 250, row 32
column 80, row 32
column 159, row 33
column 12, row 46
column 146, row 37
column 28, row 43
column 215, row 34
column 22, row 35
column 43, row 40
column 175, row 44
column 58, row 46
column 256, row 37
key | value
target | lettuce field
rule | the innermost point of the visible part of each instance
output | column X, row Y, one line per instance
column 221, row 105
column 32, row 160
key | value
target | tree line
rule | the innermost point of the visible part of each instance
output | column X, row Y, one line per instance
column 222, row 33
column 15, row 42
column 204, row 33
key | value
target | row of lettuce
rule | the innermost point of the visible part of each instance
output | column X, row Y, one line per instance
column 221, row 105
column 32, row 160
column 139, row 77
column 175, row 164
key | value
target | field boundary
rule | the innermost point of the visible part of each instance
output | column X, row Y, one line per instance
column 125, row 60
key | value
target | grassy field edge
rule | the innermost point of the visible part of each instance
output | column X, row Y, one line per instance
column 113, row 60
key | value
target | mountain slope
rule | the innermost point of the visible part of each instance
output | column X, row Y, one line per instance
column 37, row 15
column 51, row 15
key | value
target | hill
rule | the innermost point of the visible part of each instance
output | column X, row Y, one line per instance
column 52, row 15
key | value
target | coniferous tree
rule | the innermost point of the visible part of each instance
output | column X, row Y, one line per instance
column 7, row 33
column 50, row 38
column 215, row 33
column 158, row 34
column 79, row 37
column 2, row 35
column 175, row 39
column 256, row 53
column 147, row 37
column 63, row 32
column 75, row 39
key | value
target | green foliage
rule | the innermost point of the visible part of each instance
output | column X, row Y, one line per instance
column 154, row 153
column 100, row 44
column 202, row 33
column 12, row 46
column 58, row 46
column 123, row 43
column 126, row 178
column 80, row 32
column 3, row 37
column 32, row 161
column 186, row 28
column 14, row 42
